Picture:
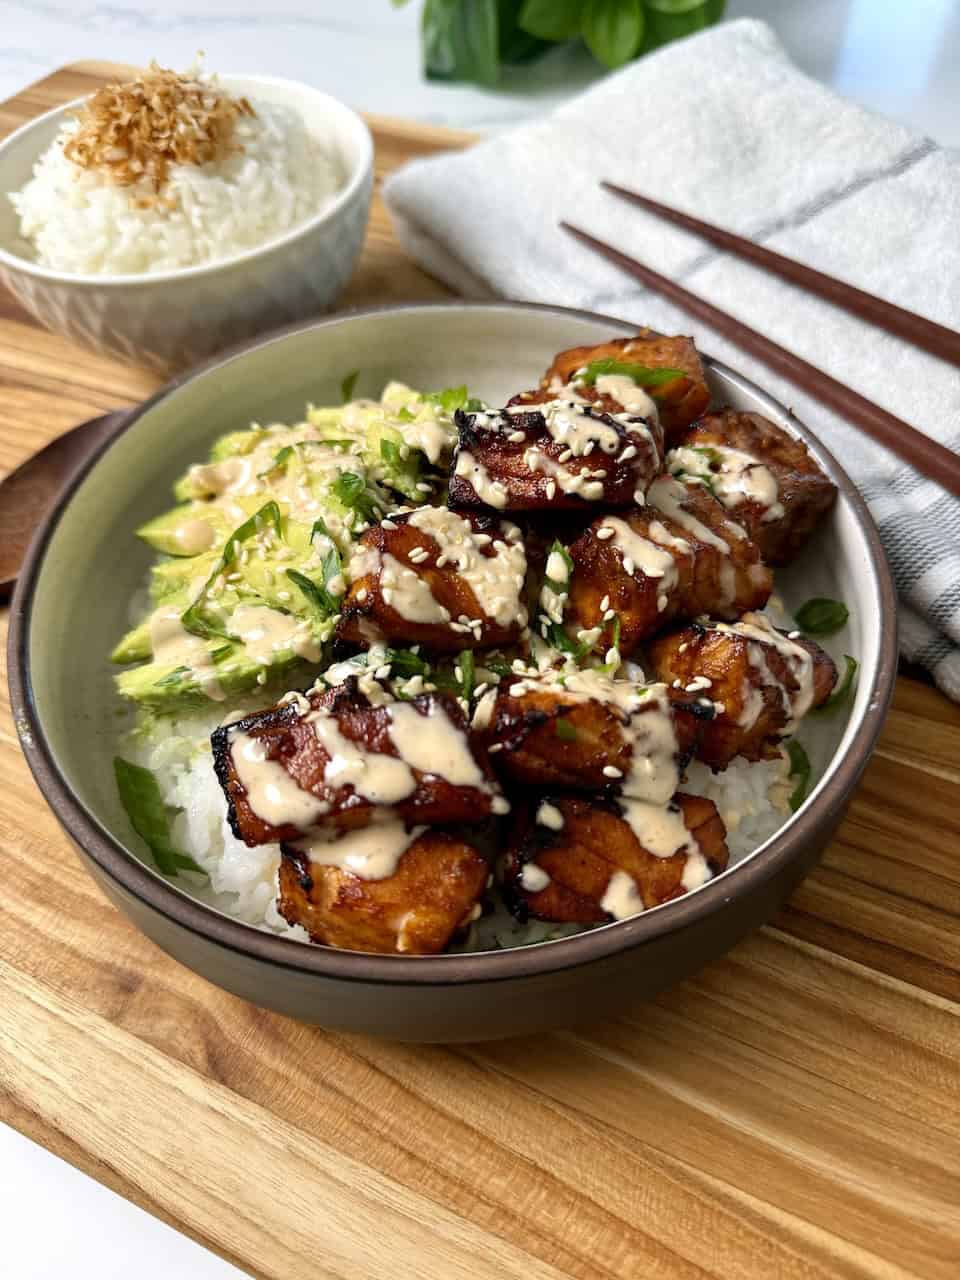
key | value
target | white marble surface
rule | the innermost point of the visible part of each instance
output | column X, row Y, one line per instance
column 894, row 56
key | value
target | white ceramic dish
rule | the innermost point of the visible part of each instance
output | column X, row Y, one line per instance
column 171, row 319
column 86, row 563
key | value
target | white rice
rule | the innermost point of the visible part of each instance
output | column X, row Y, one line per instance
column 751, row 799
column 77, row 221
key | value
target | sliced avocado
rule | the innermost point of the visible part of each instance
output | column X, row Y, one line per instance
column 235, row 444
column 180, row 532
column 172, row 576
column 135, row 645
column 165, row 687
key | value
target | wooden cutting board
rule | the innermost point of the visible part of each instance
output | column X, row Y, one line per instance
column 792, row 1112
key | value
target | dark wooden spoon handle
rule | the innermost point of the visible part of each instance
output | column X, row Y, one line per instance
column 28, row 492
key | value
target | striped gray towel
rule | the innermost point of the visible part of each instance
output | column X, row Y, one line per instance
column 724, row 125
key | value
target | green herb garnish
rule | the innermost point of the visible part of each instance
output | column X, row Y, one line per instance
column 195, row 619
column 565, row 731
column 799, row 769
column 821, row 617
column 332, row 564
column 280, row 460
column 641, row 374
column 453, row 398
column 141, row 798
column 316, row 596
column 842, row 691
column 352, row 491
column 468, row 678
column 348, row 384
column 176, row 676
column 405, row 663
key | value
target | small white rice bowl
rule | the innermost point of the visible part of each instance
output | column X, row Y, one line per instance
column 751, row 800
column 77, row 221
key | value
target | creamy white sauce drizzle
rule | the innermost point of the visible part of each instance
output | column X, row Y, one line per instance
column 622, row 898
column 568, row 423
column 488, row 490
column 626, row 392
column 533, row 878
column 194, row 536
column 660, row 829
column 271, row 793
column 646, row 556
column 763, row 637
column 409, row 594
column 496, row 580
column 582, row 483
column 266, row 632
column 372, row 852
column 667, row 495
column 735, row 476
column 170, row 642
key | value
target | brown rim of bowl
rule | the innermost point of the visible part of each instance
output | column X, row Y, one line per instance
column 150, row 888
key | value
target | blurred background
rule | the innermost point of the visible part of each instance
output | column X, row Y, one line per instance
column 901, row 57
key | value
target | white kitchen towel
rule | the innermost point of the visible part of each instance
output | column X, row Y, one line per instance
column 724, row 125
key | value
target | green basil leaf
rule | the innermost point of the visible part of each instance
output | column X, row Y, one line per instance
column 640, row 373
column 565, row 731
column 348, row 384
column 195, row 619
column 552, row 19
column 141, row 798
column 672, row 19
column 821, row 617
column 799, row 769
column 460, row 41
column 613, row 30
column 843, row 689
column 514, row 44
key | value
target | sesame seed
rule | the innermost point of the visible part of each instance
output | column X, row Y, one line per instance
column 628, row 564
column 611, row 771
column 604, row 604
column 388, row 525
column 604, row 532
column 551, row 488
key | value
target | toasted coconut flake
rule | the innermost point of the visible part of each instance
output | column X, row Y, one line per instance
column 138, row 130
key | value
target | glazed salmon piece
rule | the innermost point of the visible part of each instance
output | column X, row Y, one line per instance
column 584, row 860
column 677, row 557
column 765, row 477
column 679, row 402
column 335, row 758
column 436, row 578
column 760, row 680
column 434, row 891
column 589, row 733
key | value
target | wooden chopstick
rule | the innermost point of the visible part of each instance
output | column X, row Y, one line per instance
column 922, row 453
column 935, row 338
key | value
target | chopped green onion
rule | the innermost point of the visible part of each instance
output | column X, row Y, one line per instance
column 468, row 679
column 352, row 491
column 565, row 731
column 318, row 597
column 821, row 617
column 843, row 690
column 141, row 798
column 453, row 398
column 195, row 620
column 799, row 769
column 332, row 564
column 405, row 663
column 404, row 415
column 498, row 666
column 348, row 384
column 176, row 676
column 641, row 374
column 280, row 459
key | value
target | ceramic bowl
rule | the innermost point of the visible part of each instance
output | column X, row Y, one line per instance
column 86, row 564
column 170, row 319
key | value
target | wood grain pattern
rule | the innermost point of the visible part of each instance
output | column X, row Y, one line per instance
column 791, row 1112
